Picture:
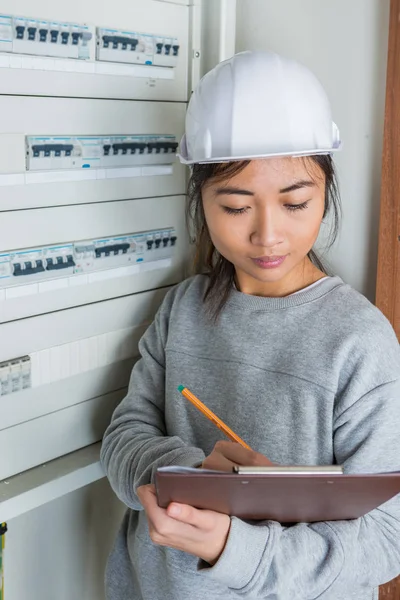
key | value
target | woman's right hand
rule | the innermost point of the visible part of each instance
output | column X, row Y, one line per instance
column 227, row 455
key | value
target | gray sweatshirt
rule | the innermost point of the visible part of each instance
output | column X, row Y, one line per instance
column 309, row 379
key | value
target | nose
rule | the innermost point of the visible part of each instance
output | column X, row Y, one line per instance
column 267, row 229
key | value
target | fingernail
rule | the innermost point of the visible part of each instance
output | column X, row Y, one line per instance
column 174, row 510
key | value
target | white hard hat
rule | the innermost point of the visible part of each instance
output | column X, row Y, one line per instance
column 256, row 105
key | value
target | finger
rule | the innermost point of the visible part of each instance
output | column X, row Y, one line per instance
column 218, row 462
column 201, row 519
column 240, row 455
column 146, row 494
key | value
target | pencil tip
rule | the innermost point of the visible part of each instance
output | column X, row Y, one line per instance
column 181, row 388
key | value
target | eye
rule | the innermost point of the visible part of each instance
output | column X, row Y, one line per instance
column 235, row 211
column 294, row 207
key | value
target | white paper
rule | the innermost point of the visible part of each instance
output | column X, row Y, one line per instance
column 189, row 470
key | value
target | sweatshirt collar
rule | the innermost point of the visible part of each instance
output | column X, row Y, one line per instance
column 248, row 302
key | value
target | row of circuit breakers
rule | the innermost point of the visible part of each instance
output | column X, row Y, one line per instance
column 60, row 152
column 23, row 35
column 65, row 260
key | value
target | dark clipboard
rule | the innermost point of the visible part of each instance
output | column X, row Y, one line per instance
column 287, row 496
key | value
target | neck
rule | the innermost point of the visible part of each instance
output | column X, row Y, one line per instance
column 300, row 277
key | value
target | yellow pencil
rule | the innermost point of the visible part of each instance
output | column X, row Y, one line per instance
column 213, row 417
column 3, row 529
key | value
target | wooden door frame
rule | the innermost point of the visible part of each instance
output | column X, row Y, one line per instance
column 388, row 275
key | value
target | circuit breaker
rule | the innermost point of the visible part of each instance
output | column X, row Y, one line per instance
column 84, row 152
column 86, row 256
column 137, row 48
column 38, row 37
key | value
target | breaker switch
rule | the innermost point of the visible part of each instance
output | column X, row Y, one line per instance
column 165, row 242
column 171, row 146
column 155, row 146
column 176, row 50
column 31, row 33
column 64, row 37
column 134, row 43
column 159, row 48
column 17, row 269
column 60, row 264
column 106, row 149
column 141, row 146
column 54, row 36
column 124, row 42
column 75, row 38
column 47, row 149
column 106, row 41
column 39, row 266
column 167, row 48
column 173, row 240
column 43, row 35
column 149, row 244
column 86, row 37
column 158, row 242
column 20, row 32
column 114, row 249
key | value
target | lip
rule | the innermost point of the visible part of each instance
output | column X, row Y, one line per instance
column 269, row 262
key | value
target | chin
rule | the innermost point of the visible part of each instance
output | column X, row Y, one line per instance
column 267, row 275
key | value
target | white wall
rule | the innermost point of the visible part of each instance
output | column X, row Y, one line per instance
column 59, row 551
column 345, row 44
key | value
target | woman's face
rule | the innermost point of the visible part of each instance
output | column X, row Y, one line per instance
column 265, row 220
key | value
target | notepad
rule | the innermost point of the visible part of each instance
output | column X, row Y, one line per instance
column 283, row 494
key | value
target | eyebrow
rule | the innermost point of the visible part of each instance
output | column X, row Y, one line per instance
column 297, row 186
column 231, row 191
column 234, row 191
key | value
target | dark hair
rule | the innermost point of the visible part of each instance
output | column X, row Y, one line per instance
column 208, row 260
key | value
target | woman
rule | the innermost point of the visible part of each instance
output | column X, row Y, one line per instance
column 301, row 366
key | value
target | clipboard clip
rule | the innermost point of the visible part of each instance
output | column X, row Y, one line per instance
column 290, row 470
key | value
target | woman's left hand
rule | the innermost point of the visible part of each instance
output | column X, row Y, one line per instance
column 202, row 533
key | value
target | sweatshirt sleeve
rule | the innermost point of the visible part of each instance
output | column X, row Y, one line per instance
column 136, row 443
column 269, row 560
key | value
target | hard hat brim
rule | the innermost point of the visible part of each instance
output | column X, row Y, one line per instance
column 225, row 159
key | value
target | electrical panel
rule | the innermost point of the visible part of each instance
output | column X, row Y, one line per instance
column 137, row 48
column 23, row 35
column 92, row 201
column 84, row 152
column 66, row 260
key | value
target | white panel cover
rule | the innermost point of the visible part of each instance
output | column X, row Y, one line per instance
column 30, row 228
column 27, row 74
column 22, row 116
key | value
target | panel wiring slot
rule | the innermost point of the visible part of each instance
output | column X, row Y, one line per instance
column 68, row 260
column 38, row 37
column 114, row 45
column 83, row 152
